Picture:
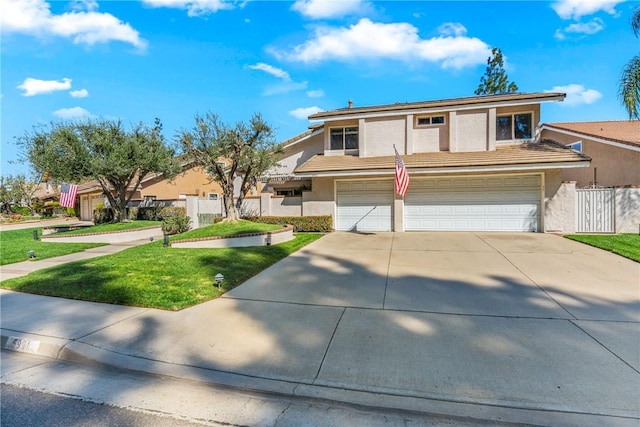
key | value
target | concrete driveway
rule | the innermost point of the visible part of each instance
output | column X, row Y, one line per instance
column 528, row 328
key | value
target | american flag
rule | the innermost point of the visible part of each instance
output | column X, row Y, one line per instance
column 402, row 177
column 68, row 195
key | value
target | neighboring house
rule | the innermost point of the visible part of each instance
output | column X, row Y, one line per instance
column 156, row 190
column 475, row 164
column 614, row 148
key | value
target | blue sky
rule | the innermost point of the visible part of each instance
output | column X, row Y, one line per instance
column 172, row 59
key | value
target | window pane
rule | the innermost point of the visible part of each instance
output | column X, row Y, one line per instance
column 422, row 121
column 351, row 139
column 522, row 126
column 336, row 139
column 503, row 128
column 437, row 120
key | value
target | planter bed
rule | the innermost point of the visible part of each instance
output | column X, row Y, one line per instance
column 239, row 241
column 122, row 236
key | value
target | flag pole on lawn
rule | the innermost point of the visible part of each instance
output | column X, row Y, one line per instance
column 401, row 175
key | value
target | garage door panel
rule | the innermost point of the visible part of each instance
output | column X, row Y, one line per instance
column 474, row 204
column 364, row 205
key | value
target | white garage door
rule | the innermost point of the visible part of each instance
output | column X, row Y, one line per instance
column 364, row 205
column 473, row 203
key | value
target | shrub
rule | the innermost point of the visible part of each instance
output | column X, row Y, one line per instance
column 149, row 213
column 22, row 210
column 71, row 212
column 175, row 220
column 132, row 214
column 102, row 215
column 321, row 223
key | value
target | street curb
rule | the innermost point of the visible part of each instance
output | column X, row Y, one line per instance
column 449, row 406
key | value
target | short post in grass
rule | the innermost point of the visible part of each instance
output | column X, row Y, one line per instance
column 35, row 234
column 219, row 279
column 32, row 254
column 165, row 241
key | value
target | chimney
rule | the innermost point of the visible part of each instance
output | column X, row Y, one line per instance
column 350, row 104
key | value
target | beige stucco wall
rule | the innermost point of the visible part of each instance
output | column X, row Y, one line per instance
column 319, row 201
column 614, row 166
column 382, row 135
column 470, row 131
column 559, row 203
column 627, row 210
column 429, row 139
column 193, row 182
column 299, row 153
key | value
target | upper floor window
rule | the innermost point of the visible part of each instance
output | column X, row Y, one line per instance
column 430, row 120
column 514, row 126
column 344, row 138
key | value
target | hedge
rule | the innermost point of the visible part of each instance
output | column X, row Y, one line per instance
column 322, row 223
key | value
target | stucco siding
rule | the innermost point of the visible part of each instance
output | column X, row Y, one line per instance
column 627, row 210
column 613, row 166
column 298, row 154
column 471, row 132
column 426, row 140
column 381, row 135
column 559, row 203
column 194, row 181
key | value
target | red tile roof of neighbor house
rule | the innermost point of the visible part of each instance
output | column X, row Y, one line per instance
column 544, row 152
column 622, row 131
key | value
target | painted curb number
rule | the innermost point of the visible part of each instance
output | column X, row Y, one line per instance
column 21, row 344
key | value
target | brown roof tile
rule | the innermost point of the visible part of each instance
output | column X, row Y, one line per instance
column 520, row 154
column 622, row 131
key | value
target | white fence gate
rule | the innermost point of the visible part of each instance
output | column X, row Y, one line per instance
column 595, row 210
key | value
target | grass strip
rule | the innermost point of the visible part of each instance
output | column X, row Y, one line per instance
column 16, row 244
column 626, row 245
column 111, row 227
column 153, row 276
column 227, row 229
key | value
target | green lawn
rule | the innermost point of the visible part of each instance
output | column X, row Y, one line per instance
column 627, row 245
column 110, row 227
column 16, row 244
column 154, row 276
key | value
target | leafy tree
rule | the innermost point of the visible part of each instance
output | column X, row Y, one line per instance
column 101, row 150
column 8, row 196
column 629, row 91
column 245, row 150
column 495, row 80
column 25, row 188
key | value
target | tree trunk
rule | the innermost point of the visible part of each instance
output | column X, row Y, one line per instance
column 232, row 212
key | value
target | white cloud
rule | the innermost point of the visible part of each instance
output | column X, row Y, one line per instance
column 575, row 9
column 71, row 113
column 32, row 87
column 193, row 7
column 322, row 9
column 370, row 40
column 287, row 85
column 269, row 69
column 83, row 24
column 317, row 93
column 577, row 94
column 82, row 93
column 303, row 113
column 592, row 27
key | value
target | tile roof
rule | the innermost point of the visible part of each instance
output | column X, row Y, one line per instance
column 443, row 103
column 544, row 152
column 622, row 131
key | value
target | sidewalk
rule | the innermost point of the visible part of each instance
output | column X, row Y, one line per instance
column 320, row 326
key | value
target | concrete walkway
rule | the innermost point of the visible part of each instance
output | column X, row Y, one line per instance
column 527, row 328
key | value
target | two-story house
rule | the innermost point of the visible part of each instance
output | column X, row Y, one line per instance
column 475, row 164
